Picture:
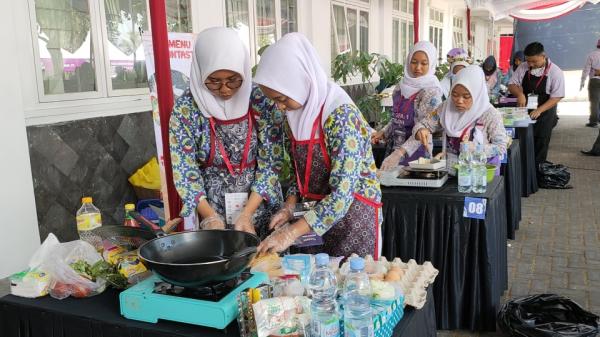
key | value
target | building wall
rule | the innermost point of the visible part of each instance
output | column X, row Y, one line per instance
column 90, row 157
column 18, row 226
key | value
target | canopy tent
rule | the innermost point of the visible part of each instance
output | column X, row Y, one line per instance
column 531, row 10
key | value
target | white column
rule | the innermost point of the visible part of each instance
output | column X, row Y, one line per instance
column 208, row 13
column 314, row 21
column 19, row 227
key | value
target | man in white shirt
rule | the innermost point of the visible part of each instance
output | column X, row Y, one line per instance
column 592, row 69
column 539, row 85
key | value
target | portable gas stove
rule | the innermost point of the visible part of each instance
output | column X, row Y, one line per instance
column 213, row 306
column 408, row 177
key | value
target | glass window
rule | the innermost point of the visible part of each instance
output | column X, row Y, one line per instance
column 405, row 8
column 364, row 31
column 178, row 16
column 238, row 18
column 405, row 42
column 289, row 16
column 125, row 20
column 396, row 5
column 66, row 49
column 266, row 33
column 352, row 27
column 342, row 42
column 396, row 40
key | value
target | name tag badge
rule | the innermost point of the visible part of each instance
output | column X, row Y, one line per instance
column 532, row 102
column 451, row 161
column 234, row 204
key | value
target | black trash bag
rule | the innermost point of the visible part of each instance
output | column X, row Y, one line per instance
column 553, row 176
column 546, row 315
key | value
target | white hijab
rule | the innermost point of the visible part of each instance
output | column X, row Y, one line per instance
column 215, row 49
column 454, row 121
column 291, row 66
column 410, row 85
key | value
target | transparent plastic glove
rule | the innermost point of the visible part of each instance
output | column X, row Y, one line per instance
column 285, row 214
column 581, row 86
column 393, row 160
column 377, row 136
column 213, row 222
column 245, row 223
column 281, row 239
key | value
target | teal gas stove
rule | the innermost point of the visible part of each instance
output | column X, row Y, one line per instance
column 213, row 306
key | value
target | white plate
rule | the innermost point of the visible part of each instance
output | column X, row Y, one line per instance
column 434, row 165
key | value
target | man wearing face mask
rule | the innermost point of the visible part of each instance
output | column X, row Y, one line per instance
column 539, row 85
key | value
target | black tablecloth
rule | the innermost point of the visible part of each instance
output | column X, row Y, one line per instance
column 529, row 176
column 378, row 153
column 513, row 185
column 428, row 225
column 99, row 317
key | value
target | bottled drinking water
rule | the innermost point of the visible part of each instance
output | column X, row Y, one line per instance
column 358, row 320
column 89, row 218
column 464, row 169
column 479, row 171
column 325, row 318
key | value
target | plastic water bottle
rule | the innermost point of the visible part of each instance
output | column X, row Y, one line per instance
column 89, row 218
column 322, row 284
column 479, row 170
column 358, row 318
column 464, row 169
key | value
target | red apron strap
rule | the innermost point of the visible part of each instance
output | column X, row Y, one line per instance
column 224, row 155
column 304, row 187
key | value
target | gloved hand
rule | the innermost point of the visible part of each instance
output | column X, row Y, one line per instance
column 213, row 222
column 393, row 160
column 285, row 214
column 377, row 136
column 581, row 85
column 245, row 223
column 279, row 240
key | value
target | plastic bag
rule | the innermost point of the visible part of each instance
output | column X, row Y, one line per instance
column 148, row 176
column 553, row 176
column 65, row 280
column 546, row 315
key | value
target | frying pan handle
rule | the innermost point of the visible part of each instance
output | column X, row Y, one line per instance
column 148, row 224
column 235, row 257
column 244, row 252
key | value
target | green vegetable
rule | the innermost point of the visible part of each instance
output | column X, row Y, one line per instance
column 100, row 269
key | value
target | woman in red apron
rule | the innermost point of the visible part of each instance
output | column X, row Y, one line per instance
column 330, row 147
column 418, row 93
column 213, row 137
column 467, row 116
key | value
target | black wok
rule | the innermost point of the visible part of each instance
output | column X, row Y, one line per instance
column 194, row 259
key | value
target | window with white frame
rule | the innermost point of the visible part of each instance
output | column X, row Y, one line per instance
column 93, row 49
column 402, row 29
column 436, row 29
column 349, row 26
column 458, row 32
column 261, row 21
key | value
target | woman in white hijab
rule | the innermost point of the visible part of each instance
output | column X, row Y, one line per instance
column 418, row 93
column 457, row 63
column 213, row 137
column 467, row 116
column 331, row 154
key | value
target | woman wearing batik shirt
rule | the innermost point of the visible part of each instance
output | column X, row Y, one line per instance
column 214, row 140
column 329, row 143
column 467, row 116
column 418, row 93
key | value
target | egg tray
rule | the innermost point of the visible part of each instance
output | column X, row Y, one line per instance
column 413, row 281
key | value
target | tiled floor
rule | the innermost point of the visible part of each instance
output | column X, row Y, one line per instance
column 557, row 248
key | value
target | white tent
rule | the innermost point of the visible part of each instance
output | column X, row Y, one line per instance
column 527, row 9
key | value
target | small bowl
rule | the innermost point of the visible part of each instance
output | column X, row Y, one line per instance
column 491, row 172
